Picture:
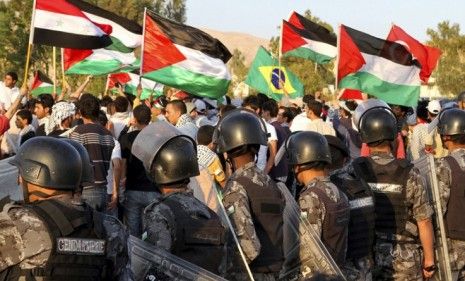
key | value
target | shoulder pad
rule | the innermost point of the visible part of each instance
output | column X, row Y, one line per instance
column 404, row 163
column 150, row 206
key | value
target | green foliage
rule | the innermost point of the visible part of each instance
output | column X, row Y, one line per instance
column 15, row 20
column 450, row 71
column 313, row 77
column 237, row 66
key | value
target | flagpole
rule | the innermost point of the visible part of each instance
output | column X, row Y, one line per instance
column 63, row 67
column 29, row 47
column 142, row 47
column 54, row 55
column 107, row 85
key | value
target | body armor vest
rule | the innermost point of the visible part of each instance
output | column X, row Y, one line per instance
column 362, row 216
column 334, row 228
column 456, row 205
column 266, row 206
column 199, row 239
column 388, row 184
column 78, row 252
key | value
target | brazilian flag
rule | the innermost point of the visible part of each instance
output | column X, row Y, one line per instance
column 266, row 76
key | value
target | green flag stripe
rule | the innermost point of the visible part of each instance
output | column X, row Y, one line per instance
column 94, row 67
column 44, row 90
column 191, row 82
column 309, row 54
column 386, row 91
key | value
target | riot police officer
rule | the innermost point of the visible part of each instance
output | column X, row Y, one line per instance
column 252, row 200
column 403, row 214
column 55, row 236
column 359, row 258
column 451, row 177
column 178, row 222
column 320, row 201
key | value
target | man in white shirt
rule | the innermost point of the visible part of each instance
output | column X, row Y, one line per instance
column 313, row 111
column 8, row 90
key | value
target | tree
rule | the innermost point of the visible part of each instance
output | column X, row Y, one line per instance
column 313, row 77
column 450, row 72
column 237, row 66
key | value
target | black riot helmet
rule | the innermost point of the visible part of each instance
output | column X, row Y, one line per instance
column 49, row 163
column 87, row 170
column 305, row 147
column 175, row 161
column 239, row 128
column 377, row 124
column 451, row 122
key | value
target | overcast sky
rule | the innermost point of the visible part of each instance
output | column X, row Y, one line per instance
column 262, row 17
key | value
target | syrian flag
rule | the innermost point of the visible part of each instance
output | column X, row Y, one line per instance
column 377, row 67
column 125, row 36
column 306, row 39
column 184, row 57
column 130, row 81
column 60, row 23
column 427, row 56
column 42, row 84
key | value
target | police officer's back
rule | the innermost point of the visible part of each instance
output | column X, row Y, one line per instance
column 451, row 178
column 252, row 200
column 178, row 222
column 403, row 213
column 320, row 201
column 359, row 257
column 53, row 236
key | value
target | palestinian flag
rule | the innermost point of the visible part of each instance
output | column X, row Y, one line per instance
column 130, row 81
column 266, row 76
column 60, row 23
column 349, row 94
column 184, row 57
column 427, row 56
column 98, row 62
column 377, row 67
column 42, row 84
column 306, row 39
column 125, row 36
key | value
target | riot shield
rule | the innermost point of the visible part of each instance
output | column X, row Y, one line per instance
column 427, row 169
column 9, row 181
column 302, row 242
column 151, row 263
column 237, row 266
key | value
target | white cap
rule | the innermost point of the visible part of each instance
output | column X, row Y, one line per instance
column 212, row 103
column 200, row 105
column 190, row 106
column 434, row 107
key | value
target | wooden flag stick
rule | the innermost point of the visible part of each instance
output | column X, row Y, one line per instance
column 107, row 85
column 26, row 68
column 63, row 68
column 29, row 47
column 54, row 55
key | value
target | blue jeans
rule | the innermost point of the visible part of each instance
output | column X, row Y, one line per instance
column 96, row 197
column 134, row 205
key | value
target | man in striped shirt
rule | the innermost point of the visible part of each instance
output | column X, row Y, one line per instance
column 99, row 144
